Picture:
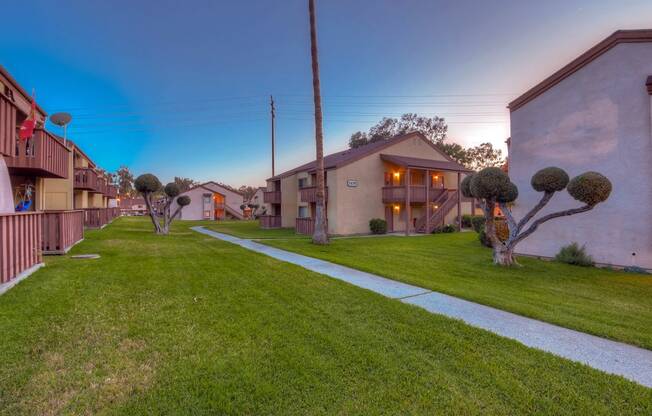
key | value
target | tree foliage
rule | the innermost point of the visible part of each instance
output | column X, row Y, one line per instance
column 247, row 192
column 493, row 188
column 435, row 130
column 149, row 185
column 184, row 183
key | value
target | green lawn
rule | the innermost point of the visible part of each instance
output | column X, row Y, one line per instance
column 252, row 230
column 186, row 324
column 607, row 303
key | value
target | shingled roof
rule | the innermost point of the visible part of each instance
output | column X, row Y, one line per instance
column 339, row 159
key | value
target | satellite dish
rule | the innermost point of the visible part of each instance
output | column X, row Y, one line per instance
column 60, row 119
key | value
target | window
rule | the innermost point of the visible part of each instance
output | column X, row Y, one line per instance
column 303, row 212
column 303, row 182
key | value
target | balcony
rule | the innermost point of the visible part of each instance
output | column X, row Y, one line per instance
column 43, row 155
column 309, row 194
column 111, row 191
column 306, row 226
column 270, row 221
column 85, row 179
column 393, row 194
column 272, row 197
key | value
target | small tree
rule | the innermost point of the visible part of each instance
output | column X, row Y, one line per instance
column 148, row 185
column 493, row 188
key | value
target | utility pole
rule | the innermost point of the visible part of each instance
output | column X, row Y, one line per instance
column 273, row 110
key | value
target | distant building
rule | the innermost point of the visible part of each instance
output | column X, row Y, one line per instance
column 370, row 182
column 594, row 114
column 212, row 201
column 132, row 206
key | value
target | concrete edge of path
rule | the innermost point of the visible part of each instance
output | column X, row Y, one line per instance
column 613, row 357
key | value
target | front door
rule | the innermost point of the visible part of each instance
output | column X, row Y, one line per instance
column 218, row 200
column 389, row 217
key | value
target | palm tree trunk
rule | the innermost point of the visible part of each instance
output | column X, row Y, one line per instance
column 320, row 235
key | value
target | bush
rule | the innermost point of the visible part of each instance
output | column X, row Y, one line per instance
column 448, row 228
column 502, row 232
column 378, row 226
column 477, row 222
column 574, row 254
column 172, row 190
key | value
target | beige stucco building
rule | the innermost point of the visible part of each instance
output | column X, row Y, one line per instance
column 211, row 201
column 593, row 114
column 369, row 182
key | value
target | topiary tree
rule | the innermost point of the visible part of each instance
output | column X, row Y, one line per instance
column 148, row 185
column 493, row 188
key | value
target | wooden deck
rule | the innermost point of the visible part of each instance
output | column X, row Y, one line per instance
column 272, row 197
column 309, row 194
column 396, row 194
column 85, row 179
column 43, row 155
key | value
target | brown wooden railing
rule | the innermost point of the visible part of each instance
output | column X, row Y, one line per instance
column 309, row 194
column 101, row 185
column 43, row 154
column 306, row 225
column 20, row 240
column 111, row 191
column 272, row 197
column 7, row 126
column 61, row 230
column 85, row 178
column 270, row 221
column 445, row 203
column 99, row 217
column 393, row 194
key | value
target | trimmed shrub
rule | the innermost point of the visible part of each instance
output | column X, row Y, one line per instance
column 590, row 188
column 172, row 190
column 490, row 183
column 183, row 200
column 467, row 220
column 448, row 228
column 465, row 186
column 378, row 226
column 147, row 183
column 477, row 222
column 550, row 179
column 574, row 254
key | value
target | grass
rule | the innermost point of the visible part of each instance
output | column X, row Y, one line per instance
column 603, row 302
column 186, row 324
column 252, row 230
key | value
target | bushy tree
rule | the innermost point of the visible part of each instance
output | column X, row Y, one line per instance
column 493, row 188
column 148, row 185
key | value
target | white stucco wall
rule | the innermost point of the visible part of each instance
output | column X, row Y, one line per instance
column 597, row 119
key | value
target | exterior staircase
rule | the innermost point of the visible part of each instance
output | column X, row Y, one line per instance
column 445, row 203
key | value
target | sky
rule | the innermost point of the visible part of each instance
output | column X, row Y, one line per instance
column 181, row 88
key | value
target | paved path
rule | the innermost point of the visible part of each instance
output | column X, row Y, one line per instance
column 612, row 357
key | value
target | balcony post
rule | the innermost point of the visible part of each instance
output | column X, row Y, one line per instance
column 408, row 213
column 459, row 202
column 427, row 201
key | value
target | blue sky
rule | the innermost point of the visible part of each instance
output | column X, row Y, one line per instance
column 182, row 88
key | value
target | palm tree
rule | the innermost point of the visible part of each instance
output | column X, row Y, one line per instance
column 320, row 235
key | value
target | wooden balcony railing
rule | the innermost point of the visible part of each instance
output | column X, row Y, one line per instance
column 101, row 185
column 309, row 194
column 7, row 126
column 272, row 197
column 111, row 191
column 270, row 221
column 99, row 217
column 61, row 230
column 85, row 179
column 43, row 155
column 393, row 194
column 20, row 241
column 306, row 225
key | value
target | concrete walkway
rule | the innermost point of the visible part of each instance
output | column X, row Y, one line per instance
column 612, row 357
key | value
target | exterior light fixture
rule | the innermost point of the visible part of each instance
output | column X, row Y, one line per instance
column 396, row 174
column 436, row 206
column 397, row 207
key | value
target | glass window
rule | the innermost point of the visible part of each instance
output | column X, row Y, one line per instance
column 303, row 212
column 303, row 182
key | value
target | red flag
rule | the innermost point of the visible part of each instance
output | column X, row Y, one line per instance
column 27, row 128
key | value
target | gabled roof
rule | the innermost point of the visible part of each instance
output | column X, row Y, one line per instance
column 221, row 185
column 339, row 159
column 620, row 36
column 415, row 162
column 19, row 88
